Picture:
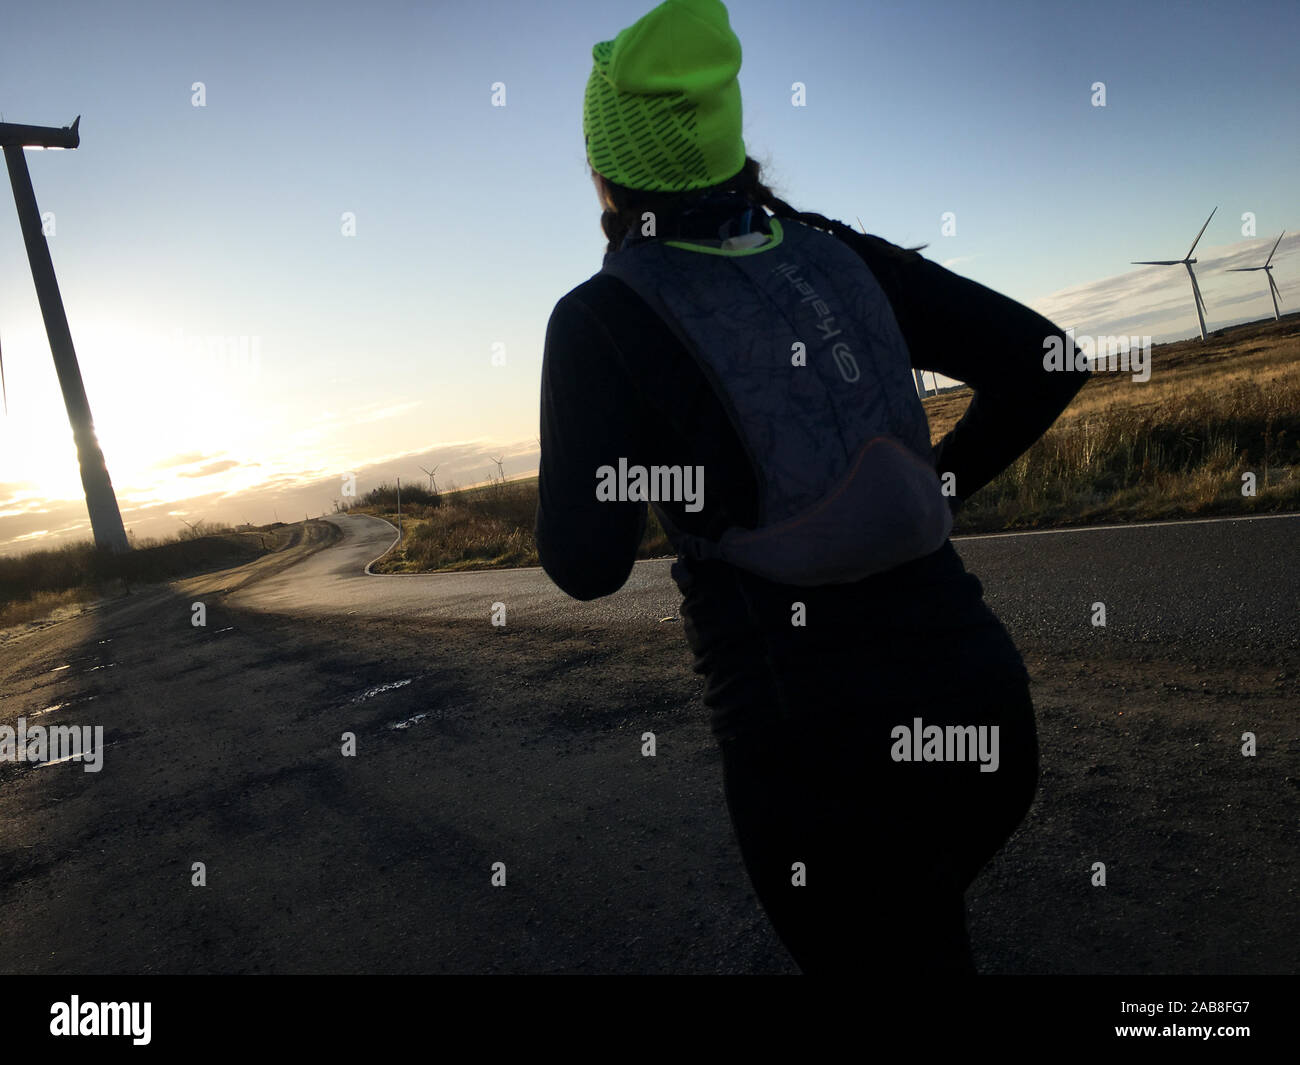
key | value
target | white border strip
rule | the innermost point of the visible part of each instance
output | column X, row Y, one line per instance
column 1130, row 525
column 396, row 539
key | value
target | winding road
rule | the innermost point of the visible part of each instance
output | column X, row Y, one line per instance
column 1227, row 581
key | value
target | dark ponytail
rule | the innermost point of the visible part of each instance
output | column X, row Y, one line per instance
column 628, row 205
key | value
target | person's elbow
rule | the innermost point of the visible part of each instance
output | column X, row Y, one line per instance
column 1067, row 384
column 586, row 587
column 586, row 582
column 1064, row 371
column 582, row 571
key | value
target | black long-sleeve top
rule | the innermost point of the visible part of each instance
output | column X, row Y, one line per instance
column 616, row 383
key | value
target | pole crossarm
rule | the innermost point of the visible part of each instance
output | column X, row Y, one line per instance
column 19, row 136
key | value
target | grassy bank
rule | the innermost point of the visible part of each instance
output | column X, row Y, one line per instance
column 485, row 527
column 34, row 584
column 1174, row 446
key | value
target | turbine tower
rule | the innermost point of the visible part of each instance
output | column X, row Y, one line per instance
column 1186, row 261
column 101, row 502
column 1272, row 285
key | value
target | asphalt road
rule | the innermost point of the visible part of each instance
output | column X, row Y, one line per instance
column 1230, row 583
column 521, row 744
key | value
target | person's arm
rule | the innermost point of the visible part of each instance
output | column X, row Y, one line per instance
column 966, row 331
column 589, row 420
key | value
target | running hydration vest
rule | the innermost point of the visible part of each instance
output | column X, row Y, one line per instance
column 839, row 445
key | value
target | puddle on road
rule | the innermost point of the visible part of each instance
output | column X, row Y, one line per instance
column 379, row 689
column 228, row 628
column 71, row 758
column 67, row 758
column 434, row 713
column 76, row 700
column 437, row 712
column 49, row 709
column 57, row 668
column 60, row 761
column 23, row 763
column 108, row 665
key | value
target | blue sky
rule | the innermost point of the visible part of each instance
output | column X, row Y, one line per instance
column 372, row 353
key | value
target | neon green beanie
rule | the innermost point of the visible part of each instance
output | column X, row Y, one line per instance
column 662, row 110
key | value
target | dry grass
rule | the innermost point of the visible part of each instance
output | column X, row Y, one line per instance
column 485, row 527
column 35, row 583
column 41, row 605
column 1174, row 446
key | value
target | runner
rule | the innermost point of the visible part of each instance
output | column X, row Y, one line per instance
column 755, row 363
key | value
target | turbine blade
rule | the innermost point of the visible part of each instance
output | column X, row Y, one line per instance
column 1155, row 262
column 1275, row 244
column 1277, row 293
column 1200, row 234
column 1243, row 269
column 3, row 387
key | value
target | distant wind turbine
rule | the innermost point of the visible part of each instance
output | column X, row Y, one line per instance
column 1272, row 285
column 1186, row 261
column 432, row 483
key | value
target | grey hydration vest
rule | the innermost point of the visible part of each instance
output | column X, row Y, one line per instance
column 838, row 439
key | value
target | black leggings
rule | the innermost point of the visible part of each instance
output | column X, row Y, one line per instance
column 888, row 848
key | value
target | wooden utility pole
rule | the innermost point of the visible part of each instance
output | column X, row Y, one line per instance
column 101, row 501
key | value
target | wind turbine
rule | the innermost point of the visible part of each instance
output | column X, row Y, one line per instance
column 1272, row 285
column 1186, row 261
column 432, row 483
